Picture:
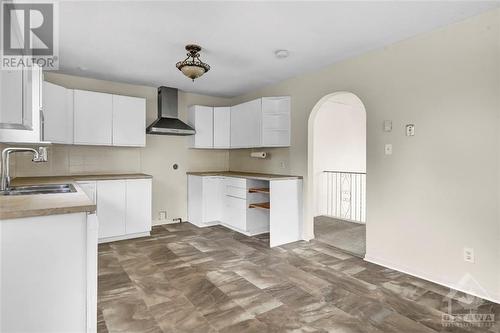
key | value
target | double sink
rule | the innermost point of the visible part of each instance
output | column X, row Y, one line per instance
column 39, row 189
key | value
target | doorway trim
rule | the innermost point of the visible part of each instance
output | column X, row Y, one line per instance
column 341, row 97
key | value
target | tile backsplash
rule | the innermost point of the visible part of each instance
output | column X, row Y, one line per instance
column 72, row 160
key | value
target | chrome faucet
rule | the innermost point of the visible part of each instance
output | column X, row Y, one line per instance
column 39, row 155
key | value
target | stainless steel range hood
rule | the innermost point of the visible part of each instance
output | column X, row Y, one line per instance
column 168, row 122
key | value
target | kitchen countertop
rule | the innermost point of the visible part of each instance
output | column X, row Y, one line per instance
column 19, row 206
column 64, row 179
column 247, row 175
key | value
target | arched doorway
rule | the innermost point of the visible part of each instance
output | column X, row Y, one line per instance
column 337, row 172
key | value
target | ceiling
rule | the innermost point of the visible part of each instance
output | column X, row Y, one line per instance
column 140, row 41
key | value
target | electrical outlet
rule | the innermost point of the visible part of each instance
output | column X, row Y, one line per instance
column 283, row 164
column 162, row 215
column 469, row 254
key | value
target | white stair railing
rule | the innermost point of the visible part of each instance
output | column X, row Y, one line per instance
column 345, row 195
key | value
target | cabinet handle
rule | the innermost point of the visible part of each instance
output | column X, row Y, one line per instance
column 42, row 126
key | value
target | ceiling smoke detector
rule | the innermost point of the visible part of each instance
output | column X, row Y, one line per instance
column 281, row 54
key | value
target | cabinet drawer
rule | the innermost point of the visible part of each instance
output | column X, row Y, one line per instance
column 236, row 191
column 236, row 182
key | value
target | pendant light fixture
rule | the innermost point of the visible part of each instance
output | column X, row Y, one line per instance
column 192, row 66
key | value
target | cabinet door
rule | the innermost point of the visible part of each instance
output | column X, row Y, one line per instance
column 58, row 113
column 92, row 272
column 11, row 97
column 129, row 121
column 276, row 121
column 212, row 199
column 111, row 207
column 138, row 213
column 246, row 124
column 20, row 105
column 201, row 118
column 222, row 126
column 235, row 212
column 93, row 118
column 195, row 194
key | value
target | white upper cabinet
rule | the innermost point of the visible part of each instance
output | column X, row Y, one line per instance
column 246, row 124
column 93, row 118
column 263, row 122
column 58, row 113
column 222, row 127
column 20, row 105
column 129, row 121
column 276, row 121
column 202, row 120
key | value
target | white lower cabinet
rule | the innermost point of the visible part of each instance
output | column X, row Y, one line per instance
column 225, row 200
column 123, row 207
column 49, row 273
column 111, row 207
column 138, row 214
column 235, row 213
column 204, row 204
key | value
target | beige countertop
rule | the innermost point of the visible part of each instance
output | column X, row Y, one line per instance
column 18, row 206
column 73, row 178
column 248, row 175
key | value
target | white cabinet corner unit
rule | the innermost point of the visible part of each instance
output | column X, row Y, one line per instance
column 248, row 206
column 123, row 207
column 84, row 117
column 263, row 122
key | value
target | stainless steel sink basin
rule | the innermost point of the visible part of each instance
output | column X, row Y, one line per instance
column 39, row 189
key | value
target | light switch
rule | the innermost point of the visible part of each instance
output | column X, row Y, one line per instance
column 410, row 130
column 388, row 149
column 387, row 125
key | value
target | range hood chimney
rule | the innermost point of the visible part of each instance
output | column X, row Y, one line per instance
column 168, row 122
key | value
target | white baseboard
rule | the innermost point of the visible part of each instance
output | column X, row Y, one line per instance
column 123, row 237
column 427, row 277
column 160, row 222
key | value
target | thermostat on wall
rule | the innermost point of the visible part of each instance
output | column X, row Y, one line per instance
column 410, row 130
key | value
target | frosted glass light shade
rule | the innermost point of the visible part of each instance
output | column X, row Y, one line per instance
column 192, row 72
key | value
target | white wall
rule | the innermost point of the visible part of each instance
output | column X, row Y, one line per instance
column 439, row 191
column 156, row 159
column 339, row 142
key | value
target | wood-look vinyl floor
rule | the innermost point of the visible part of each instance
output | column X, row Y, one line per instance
column 187, row 279
column 347, row 236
